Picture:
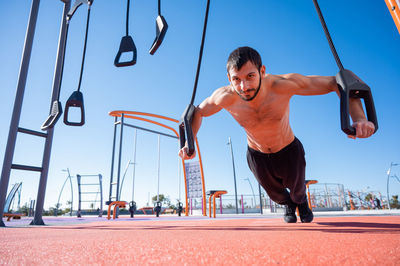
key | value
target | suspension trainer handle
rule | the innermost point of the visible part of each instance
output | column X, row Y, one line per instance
column 185, row 129
column 126, row 46
column 351, row 86
column 75, row 100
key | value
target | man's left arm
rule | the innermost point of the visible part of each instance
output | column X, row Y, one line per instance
column 319, row 85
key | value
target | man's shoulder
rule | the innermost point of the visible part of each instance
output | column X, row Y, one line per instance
column 223, row 96
column 282, row 83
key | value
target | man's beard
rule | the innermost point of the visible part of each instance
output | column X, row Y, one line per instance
column 255, row 94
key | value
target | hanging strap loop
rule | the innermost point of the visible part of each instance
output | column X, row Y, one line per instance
column 350, row 86
column 126, row 46
column 76, row 98
column 185, row 127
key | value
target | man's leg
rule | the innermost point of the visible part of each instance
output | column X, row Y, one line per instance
column 260, row 164
column 294, row 172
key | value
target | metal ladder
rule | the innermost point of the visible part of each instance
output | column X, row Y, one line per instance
column 14, row 125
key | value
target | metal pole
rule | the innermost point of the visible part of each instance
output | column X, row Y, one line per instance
column 387, row 182
column 112, row 160
column 59, row 196
column 234, row 175
column 37, row 220
column 72, row 192
column 120, row 155
column 158, row 171
column 101, row 195
column 12, row 134
column 134, row 168
column 254, row 196
column 78, row 179
column 179, row 177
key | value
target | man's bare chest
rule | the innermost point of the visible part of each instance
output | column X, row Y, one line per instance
column 269, row 113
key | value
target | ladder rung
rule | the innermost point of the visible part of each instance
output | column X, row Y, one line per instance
column 90, row 184
column 32, row 132
column 90, row 192
column 26, row 167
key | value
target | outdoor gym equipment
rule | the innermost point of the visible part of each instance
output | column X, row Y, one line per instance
column 115, row 179
column 76, row 98
column 89, row 191
column 157, row 208
column 350, row 86
column 126, row 46
column 132, row 208
column 180, row 208
column 185, row 124
column 116, row 204
column 214, row 194
column 161, row 29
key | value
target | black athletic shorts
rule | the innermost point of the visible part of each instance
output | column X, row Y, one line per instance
column 281, row 174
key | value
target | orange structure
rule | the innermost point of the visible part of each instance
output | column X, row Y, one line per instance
column 394, row 9
column 308, row 183
column 214, row 194
column 139, row 116
column 116, row 204
column 352, row 207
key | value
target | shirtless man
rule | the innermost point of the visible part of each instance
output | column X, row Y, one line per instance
column 259, row 102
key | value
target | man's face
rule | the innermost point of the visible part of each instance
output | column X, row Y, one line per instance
column 246, row 81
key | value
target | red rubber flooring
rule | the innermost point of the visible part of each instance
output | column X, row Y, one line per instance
column 369, row 240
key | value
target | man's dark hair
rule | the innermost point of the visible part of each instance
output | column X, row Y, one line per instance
column 241, row 56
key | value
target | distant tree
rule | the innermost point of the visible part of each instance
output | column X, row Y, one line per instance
column 395, row 202
column 369, row 197
column 24, row 209
column 165, row 201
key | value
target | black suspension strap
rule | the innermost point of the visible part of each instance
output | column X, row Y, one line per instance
column 126, row 46
column 350, row 86
column 76, row 98
column 185, row 126
column 56, row 107
column 161, row 29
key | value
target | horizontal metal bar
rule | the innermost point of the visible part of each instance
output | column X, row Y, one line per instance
column 88, row 175
column 90, row 192
column 26, row 167
column 90, row 184
column 32, row 132
column 90, row 200
column 151, row 131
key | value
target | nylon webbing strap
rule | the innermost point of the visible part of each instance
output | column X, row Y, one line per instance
column 328, row 36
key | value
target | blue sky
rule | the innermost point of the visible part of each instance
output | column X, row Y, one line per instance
column 288, row 36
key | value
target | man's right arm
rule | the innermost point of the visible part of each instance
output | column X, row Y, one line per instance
column 208, row 107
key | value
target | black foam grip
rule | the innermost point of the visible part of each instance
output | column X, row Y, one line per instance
column 185, row 129
column 75, row 100
column 126, row 46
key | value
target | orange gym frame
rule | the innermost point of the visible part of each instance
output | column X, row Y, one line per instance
column 394, row 9
column 133, row 115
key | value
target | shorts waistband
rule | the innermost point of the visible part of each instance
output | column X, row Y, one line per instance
column 275, row 153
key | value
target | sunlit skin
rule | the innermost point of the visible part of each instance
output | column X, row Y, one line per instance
column 265, row 117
